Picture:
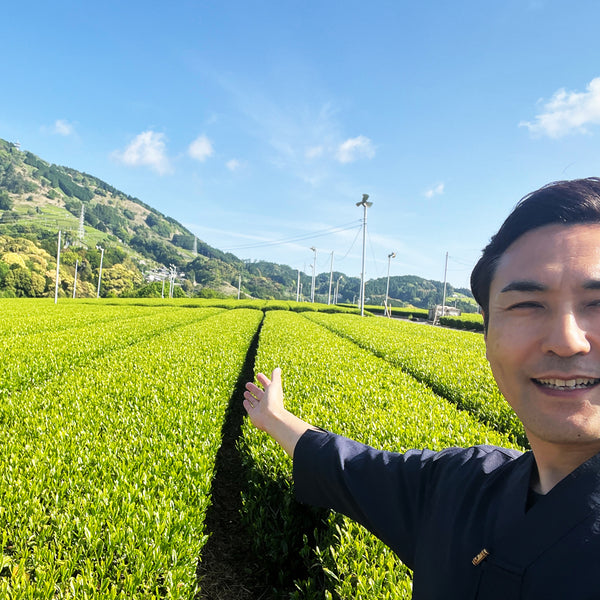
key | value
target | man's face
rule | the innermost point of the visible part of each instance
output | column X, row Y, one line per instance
column 543, row 336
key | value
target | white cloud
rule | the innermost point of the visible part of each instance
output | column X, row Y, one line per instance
column 233, row 164
column 355, row 148
column 62, row 127
column 568, row 112
column 146, row 149
column 436, row 190
column 201, row 148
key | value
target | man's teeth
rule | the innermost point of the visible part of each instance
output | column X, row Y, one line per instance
column 574, row 384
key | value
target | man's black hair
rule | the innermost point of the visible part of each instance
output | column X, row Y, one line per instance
column 562, row 202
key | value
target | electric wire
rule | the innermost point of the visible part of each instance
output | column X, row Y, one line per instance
column 298, row 238
column 351, row 245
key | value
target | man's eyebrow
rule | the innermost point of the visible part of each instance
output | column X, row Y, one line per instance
column 527, row 286
column 534, row 286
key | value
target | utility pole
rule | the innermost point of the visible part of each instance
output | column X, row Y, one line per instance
column 100, row 273
column 361, row 298
column 337, row 290
column 239, row 285
column 388, row 312
column 298, row 288
column 444, row 294
column 75, row 279
column 314, row 273
column 330, row 279
column 57, row 269
column 173, row 271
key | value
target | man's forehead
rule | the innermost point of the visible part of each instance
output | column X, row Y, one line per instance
column 553, row 251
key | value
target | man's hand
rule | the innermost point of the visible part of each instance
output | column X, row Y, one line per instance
column 267, row 412
column 263, row 406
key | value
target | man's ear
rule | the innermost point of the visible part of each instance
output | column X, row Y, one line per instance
column 484, row 326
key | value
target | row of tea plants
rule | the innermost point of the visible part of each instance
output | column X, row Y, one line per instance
column 110, row 422
column 451, row 362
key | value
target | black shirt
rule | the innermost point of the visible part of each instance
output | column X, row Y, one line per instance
column 439, row 510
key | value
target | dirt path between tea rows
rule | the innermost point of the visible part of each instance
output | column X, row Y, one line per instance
column 228, row 569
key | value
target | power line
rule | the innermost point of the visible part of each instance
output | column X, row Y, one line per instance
column 352, row 244
column 375, row 265
column 463, row 262
column 298, row 238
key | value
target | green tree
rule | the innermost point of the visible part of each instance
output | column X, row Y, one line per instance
column 5, row 202
column 19, row 281
column 152, row 220
column 4, row 269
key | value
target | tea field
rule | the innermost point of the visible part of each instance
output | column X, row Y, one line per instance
column 111, row 416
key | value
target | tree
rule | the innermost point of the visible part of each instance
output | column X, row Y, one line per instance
column 183, row 241
column 119, row 279
column 4, row 269
column 5, row 202
column 19, row 281
column 151, row 219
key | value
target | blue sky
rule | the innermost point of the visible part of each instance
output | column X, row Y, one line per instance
column 259, row 125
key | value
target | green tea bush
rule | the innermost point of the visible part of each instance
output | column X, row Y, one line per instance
column 106, row 462
column 470, row 321
column 452, row 363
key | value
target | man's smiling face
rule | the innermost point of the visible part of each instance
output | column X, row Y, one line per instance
column 543, row 335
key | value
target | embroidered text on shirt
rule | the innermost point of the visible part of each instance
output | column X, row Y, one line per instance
column 480, row 557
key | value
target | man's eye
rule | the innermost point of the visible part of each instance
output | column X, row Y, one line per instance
column 523, row 305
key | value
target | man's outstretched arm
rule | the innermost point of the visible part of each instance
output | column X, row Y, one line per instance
column 267, row 412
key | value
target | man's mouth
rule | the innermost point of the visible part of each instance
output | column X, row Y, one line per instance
column 578, row 383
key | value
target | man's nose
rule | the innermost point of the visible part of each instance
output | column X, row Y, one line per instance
column 565, row 336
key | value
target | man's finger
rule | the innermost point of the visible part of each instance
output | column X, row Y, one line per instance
column 276, row 375
column 253, row 388
column 263, row 379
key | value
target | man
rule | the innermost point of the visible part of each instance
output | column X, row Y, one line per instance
column 486, row 522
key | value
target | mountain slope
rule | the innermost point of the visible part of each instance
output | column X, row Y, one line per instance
column 37, row 199
column 142, row 247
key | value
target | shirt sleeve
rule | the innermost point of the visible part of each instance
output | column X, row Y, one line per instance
column 383, row 491
column 435, row 510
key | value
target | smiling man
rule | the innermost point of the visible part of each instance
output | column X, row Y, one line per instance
column 489, row 523
column 543, row 343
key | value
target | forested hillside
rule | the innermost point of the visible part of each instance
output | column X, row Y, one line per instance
column 140, row 248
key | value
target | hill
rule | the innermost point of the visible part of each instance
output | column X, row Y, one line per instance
column 143, row 249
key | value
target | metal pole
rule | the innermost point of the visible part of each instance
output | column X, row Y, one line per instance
column 57, row 269
column 312, row 290
column 239, row 286
column 298, row 287
column 75, row 279
column 361, row 298
column 330, row 279
column 100, row 273
column 387, row 289
column 444, row 293
column 362, row 271
column 337, row 290
column 173, row 270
